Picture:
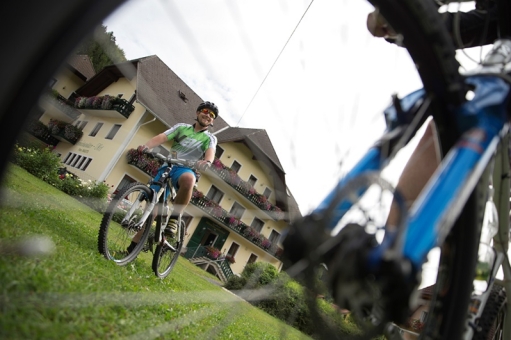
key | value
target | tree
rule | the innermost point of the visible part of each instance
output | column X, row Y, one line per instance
column 101, row 48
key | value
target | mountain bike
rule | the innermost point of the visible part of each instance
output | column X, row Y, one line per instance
column 134, row 210
column 374, row 269
column 371, row 269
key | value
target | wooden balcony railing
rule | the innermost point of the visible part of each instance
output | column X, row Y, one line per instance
column 220, row 215
column 246, row 189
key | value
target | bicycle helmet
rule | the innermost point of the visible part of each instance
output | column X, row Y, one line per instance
column 209, row 105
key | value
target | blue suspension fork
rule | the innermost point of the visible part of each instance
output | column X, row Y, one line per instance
column 483, row 118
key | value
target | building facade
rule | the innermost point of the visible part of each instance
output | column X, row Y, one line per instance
column 241, row 205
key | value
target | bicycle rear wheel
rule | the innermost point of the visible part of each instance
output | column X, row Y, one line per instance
column 122, row 221
column 167, row 252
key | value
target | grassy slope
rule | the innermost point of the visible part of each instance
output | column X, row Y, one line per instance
column 75, row 293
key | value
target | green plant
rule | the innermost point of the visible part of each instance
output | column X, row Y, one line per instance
column 235, row 283
column 42, row 163
column 259, row 273
column 75, row 293
column 144, row 162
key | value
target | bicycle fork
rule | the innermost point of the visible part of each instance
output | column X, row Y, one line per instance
column 148, row 210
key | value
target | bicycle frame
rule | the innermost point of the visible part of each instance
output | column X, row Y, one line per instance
column 484, row 123
column 154, row 201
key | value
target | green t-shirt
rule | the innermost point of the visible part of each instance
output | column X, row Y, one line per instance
column 189, row 144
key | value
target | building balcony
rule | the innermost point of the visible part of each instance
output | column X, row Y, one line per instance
column 104, row 106
column 64, row 132
column 143, row 162
column 59, row 107
column 218, row 214
column 246, row 190
column 41, row 132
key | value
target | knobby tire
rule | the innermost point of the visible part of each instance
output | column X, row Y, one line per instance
column 110, row 228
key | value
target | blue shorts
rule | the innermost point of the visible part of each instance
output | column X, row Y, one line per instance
column 174, row 175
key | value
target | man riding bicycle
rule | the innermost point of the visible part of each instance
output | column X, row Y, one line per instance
column 191, row 142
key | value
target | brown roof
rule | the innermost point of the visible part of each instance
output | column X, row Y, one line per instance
column 258, row 136
column 83, row 65
column 159, row 90
column 258, row 141
column 168, row 98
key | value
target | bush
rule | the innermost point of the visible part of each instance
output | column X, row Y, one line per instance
column 43, row 164
column 288, row 303
column 235, row 283
column 259, row 274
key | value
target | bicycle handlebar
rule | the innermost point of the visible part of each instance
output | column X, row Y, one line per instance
column 175, row 161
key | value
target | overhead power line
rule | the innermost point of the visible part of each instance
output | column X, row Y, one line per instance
column 276, row 59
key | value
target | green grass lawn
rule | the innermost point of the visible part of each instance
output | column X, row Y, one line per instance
column 75, row 293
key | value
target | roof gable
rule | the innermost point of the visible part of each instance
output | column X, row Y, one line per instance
column 82, row 65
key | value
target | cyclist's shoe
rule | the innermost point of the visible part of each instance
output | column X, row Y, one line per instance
column 171, row 229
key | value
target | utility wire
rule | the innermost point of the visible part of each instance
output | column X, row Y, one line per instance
column 271, row 68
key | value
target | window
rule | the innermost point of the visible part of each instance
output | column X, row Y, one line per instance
column 126, row 180
column 96, row 129
column 252, row 180
column 86, row 164
column 52, row 82
column 182, row 96
column 77, row 161
column 257, row 224
column 113, row 132
column 252, row 258
column 237, row 210
column 70, row 158
column 77, row 124
column 233, row 249
column 162, row 150
column 67, row 157
column 82, row 125
column 267, row 192
column 235, row 166
column 215, row 194
column 219, row 152
column 274, row 237
column 133, row 97
column 424, row 316
column 80, row 163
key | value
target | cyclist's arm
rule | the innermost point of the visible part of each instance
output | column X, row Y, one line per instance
column 209, row 156
column 155, row 141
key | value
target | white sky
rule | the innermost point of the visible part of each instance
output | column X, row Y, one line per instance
column 322, row 102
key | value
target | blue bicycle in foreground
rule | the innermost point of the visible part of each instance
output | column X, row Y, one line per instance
column 374, row 269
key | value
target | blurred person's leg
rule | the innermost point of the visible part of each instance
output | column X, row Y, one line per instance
column 417, row 171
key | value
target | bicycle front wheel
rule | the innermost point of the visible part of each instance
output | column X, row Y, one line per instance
column 122, row 221
column 167, row 252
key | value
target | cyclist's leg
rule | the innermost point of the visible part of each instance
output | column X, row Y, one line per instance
column 156, row 188
column 185, row 179
column 417, row 171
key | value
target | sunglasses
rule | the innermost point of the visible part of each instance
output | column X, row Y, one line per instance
column 208, row 112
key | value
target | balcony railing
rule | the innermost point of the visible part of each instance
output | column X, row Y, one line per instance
column 143, row 162
column 246, row 189
column 231, row 222
column 64, row 131
column 105, row 106
column 41, row 132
